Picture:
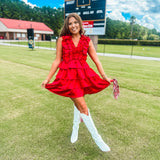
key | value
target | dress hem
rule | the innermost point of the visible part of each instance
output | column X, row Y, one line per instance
column 79, row 95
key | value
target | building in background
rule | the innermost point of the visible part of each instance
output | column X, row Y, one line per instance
column 12, row 29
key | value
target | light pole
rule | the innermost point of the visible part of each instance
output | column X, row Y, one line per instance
column 132, row 22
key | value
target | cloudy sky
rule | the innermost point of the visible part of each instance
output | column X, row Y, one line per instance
column 147, row 12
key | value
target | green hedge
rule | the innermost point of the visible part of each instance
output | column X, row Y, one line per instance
column 149, row 43
column 129, row 42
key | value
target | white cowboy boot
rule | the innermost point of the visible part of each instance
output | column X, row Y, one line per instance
column 76, row 122
column 94, row 133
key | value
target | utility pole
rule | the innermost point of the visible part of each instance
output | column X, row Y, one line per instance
column 132, row 22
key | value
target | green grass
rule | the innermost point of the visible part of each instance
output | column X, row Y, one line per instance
column 36, row 124
column 147, row 51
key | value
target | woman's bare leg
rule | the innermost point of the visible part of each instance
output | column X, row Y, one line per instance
column 80, row 104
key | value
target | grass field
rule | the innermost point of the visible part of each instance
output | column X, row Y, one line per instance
column 36, row 124
column 147, row 51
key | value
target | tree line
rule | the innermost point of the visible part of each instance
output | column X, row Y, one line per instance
column 17, row 9
column 116, row 29
column 54, row 18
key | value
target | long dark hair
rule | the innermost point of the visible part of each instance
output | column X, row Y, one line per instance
column 65, row 28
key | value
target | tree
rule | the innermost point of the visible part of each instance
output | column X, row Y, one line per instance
column 153, row 37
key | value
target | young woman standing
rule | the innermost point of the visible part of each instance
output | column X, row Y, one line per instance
column 75, row 78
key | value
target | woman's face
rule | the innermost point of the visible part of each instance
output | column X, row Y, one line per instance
column 74, row 26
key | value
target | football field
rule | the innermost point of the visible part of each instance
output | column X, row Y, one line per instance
column 36, row 124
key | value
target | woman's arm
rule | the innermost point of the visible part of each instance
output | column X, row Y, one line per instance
column 94, row 57
column 55, row 63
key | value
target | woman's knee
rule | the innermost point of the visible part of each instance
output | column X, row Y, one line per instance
column 81, row 105
column 83, row 108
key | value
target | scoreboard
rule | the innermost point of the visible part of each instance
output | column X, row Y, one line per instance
column 92, row 12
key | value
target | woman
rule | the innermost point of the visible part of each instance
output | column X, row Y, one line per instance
column 75, row 78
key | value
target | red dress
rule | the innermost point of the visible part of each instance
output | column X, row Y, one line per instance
column 75, row 78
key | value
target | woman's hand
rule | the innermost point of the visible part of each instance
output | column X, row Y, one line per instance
column 108, row 79
column 44, row 83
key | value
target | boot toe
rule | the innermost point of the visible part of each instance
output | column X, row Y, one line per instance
column 74, row 137
column 101, row 144
column 105, row 148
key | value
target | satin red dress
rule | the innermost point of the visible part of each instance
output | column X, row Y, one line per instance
column 75, row 78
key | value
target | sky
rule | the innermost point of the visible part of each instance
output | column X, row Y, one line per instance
column 147, row 12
